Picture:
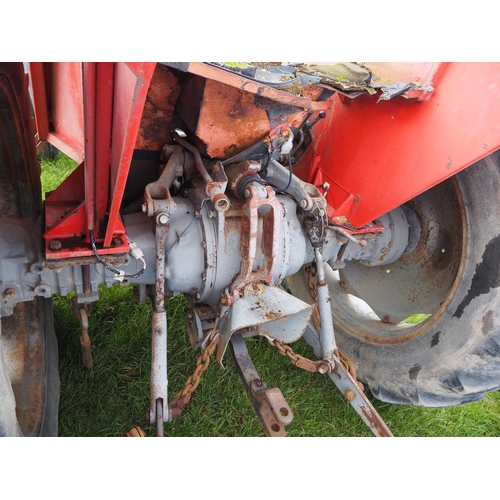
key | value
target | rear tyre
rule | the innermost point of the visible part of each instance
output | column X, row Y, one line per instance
column 29, row 380
column 453, row 357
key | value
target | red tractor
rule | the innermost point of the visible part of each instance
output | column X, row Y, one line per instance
column 328, row 202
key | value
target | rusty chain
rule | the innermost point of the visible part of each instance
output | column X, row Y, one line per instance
column 183, row 397
column 297, row 359
column 312, row 281
column 314, row 366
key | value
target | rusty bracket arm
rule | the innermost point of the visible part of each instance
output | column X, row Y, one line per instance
column 265, row 203
column 270, row 405
column 159, row 205
column 214, row 188
column 351, row 390
column 159, row 411
column 82, row 312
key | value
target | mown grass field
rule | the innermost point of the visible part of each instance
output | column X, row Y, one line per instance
column 113, row 396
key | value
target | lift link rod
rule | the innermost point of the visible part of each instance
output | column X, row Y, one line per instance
column 323, row 342
column 159, row 205
column 158, row 410
column 327, row 334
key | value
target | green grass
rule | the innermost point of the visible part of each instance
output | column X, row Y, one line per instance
column 113, row 396
column 416, row 319
column 54, row 171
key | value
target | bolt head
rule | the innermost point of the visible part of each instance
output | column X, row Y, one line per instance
column 55, row 245
column 303, row 203
column 162, row 219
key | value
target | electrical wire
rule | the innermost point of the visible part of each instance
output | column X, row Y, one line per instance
column 111, row 268
column 180, row 235
column 177, row 239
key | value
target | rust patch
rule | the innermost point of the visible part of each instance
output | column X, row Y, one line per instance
column 228, row 121
column 272, row 316
column 23, row 341
column 158, row 116
column 257, row 287
column 375, row 421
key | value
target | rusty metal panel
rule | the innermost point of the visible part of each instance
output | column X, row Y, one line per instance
column 240, row 82
column 158, row 117
column 224, row 118
column 426, row 74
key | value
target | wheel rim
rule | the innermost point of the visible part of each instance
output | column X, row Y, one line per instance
column 371, row 303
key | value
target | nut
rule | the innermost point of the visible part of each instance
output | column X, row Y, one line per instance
column 349, row 395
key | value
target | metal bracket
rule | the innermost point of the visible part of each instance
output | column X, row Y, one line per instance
column 159, row 205
column 82, row 312
column 270, row 404
column 270, row 210
column 352, row 392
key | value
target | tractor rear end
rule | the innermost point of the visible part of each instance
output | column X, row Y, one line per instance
column 329, row 202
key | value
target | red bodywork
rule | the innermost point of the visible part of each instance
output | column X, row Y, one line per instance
column 374, row 155
column 110, row 97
